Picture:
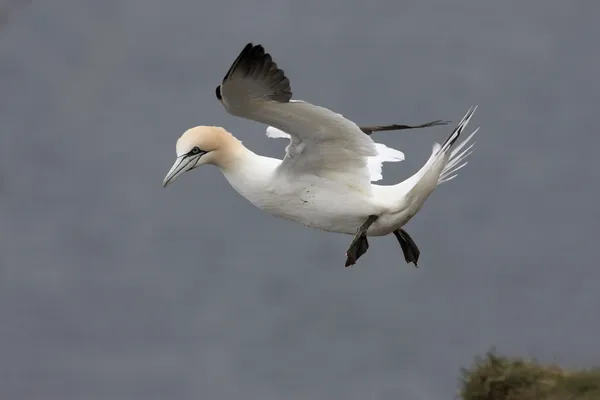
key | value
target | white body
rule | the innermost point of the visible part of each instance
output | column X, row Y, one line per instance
column 336, row 201
column 325, row 179
column 321, row 203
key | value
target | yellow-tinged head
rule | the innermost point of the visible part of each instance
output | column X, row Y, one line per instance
column 202, row 145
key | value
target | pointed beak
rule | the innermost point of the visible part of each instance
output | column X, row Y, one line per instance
column 182, row 164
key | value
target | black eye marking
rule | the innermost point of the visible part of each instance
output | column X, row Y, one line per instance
column 195, row 150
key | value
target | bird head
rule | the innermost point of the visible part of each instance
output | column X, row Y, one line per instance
column 198, row 146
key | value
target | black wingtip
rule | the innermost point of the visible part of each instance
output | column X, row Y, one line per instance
column 245, row 51
column 247, row 48
column 254, row 63
column 397, row 127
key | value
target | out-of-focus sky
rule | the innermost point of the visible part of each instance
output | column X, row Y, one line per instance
column 112, row 287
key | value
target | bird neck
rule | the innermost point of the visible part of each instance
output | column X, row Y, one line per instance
column 230, row 151
column 249, row 174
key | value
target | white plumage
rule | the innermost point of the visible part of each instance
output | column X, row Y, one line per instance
column 325, row 178
column 374, row 163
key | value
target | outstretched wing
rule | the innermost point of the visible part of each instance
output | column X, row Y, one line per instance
column 322, row 142
column 396, row 127
column 374, row 163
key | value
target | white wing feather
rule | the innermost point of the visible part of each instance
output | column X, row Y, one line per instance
column 374, row 163
column 275, row 133
column 323, row 144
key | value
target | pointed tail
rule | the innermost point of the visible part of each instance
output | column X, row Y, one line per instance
column 443, row 163
column 458, row 154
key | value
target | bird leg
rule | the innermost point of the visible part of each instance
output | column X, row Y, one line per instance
column 409, row 248
column 396, row 127
column 359, row 245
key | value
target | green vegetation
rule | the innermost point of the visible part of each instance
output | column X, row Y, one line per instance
column 495, row 377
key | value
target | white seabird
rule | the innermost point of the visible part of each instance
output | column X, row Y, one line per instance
column 325, row 179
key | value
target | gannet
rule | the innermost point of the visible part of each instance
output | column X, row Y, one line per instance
column 325, row 178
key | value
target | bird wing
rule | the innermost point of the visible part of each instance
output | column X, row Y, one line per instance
column 398, row 127
column 374, row 163
column 322, row 142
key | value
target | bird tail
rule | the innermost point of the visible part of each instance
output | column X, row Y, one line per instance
column 442, row 165
column 457, row 158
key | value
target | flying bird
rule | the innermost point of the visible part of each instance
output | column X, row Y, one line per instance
column 325, row 178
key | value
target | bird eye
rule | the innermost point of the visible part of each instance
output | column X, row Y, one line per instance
column 195, row 150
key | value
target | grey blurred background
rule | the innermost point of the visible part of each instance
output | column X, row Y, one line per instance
column 112, row 287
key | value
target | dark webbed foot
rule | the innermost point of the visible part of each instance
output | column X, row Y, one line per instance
column 360, row 244
column 409, row 247
column 356, row 249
